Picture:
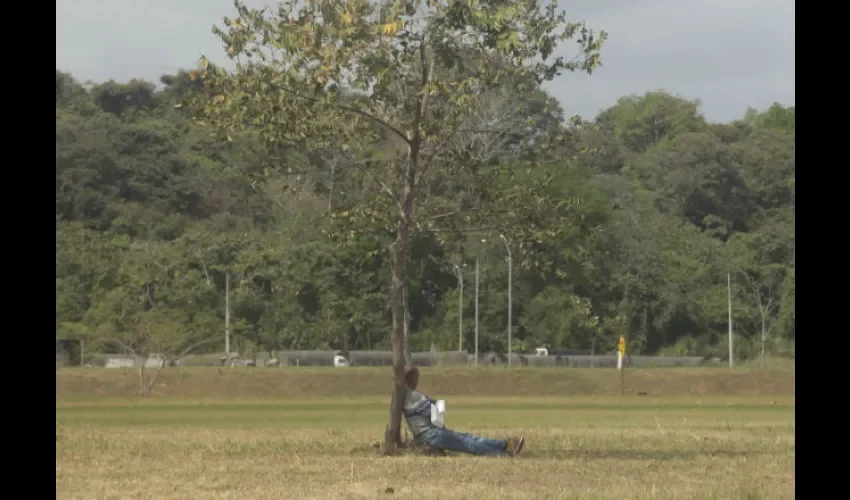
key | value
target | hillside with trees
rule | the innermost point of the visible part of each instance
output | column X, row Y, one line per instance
column 629, row 225
column 362, row 157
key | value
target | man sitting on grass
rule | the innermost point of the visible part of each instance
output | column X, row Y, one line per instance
column 417, row 412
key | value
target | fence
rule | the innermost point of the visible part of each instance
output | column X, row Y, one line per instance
column 431, row 358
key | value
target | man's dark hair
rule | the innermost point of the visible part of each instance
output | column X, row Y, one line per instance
column 410, row 372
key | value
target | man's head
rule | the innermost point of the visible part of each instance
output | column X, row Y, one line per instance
column 411, row 377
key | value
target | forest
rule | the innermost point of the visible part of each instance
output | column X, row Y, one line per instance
column 631, row 223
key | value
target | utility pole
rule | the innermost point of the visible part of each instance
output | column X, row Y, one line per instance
column 729, row 306
column 510, row 302
column 476, row 311
column 227, row 316
column 459, row 309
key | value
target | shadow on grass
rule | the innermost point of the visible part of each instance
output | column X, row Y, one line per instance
column 598, row 454
column 593, row 454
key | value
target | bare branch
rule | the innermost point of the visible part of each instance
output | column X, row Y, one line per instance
column 189, row 349
column 372, row 117
column 354, row 110
column 464, row 231
column 432, row 156
column 124, row 346
column 449, row 214
column 331, row 192
column 204, row 267
column 390, row 192
column 494, row 132
column 152, row 381
column 384, row 187
column 148, row 293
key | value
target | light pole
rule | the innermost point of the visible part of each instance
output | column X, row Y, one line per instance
column 459, row 309
column 476, row 312
column 510, row 302
column 227, row 316
column 729, row 308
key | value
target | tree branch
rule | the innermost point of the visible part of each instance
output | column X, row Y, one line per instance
column 124, row 346
column 351, row 109
column 384, row 186
column 204, row 267
column 756, row 293
column 449, row 214
column 152, row 381
column 417, row 140
column 392, row 195
column 464, row 231
column 432, row 156
column 494, row 132
column 189, row 349
column 372, row 117
column 148, row 293
column 425, row 83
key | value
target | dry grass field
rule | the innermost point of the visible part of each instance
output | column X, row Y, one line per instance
column 309, row 433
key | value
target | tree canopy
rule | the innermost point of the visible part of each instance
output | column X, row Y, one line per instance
column 152, row 211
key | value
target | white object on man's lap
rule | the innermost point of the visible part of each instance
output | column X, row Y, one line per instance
column 438, row 413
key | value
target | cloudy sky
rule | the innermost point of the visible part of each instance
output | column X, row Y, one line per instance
column 730, row 54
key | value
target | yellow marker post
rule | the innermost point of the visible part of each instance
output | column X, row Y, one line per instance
column 621, row 353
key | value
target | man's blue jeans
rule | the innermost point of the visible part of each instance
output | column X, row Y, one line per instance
column 444, row 439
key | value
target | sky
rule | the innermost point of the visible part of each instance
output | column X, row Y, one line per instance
column 729, row 54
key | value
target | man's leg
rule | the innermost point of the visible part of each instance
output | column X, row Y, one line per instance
column 445, row 439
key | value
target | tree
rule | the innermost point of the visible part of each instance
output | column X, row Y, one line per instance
column 304, row 241
column 776, row 117
column 765, row 260
column 556, row 317
column 699, row 178
column 767, row 164
column 117, row 99
column 351, row 73
column 766, row 299
column 142, row 302
column 640, row 122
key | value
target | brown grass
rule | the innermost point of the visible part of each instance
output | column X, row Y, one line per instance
column 206, row 435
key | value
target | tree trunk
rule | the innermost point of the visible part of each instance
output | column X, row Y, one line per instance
column 593, row 351
column 408, row 357
column 152, row 381
column 397, row 303
column 146, row 385
column 763, row 334
column 398, row 293
column 398, row 288
column 142, row 385
column 331, row 193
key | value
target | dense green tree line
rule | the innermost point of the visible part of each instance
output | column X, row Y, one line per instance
column 655, row 206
